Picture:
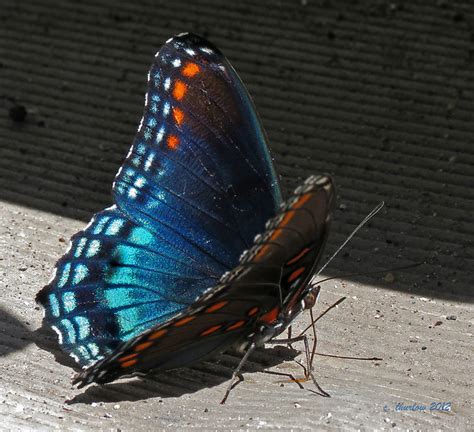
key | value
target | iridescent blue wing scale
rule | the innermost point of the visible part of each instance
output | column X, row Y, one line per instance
column 113, row 284
column 196, row 186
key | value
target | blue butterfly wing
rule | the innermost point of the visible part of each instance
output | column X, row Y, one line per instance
column 195, row 188
column 199, row 164
column 114, row 283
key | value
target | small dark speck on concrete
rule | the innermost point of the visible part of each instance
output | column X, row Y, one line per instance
column 18, row 113
column 423, row 348
column 451, row 317
column 206, row 410
column 61, row 239
column 438, row 323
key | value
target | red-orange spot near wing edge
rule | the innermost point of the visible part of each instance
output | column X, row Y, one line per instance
column 127, row 357
column 157, row 334
column 190, row 70
column 252, row 311
column 211, row 330
column 179, row 90
column 143, row 346
column 178, row 116
column 183, row 321
column 293, row 276
column 236, row 325
column 298, row 257
column 128, row 363
column 270, row 316
column 216, row 306
column 302, row 200
column 173, row 142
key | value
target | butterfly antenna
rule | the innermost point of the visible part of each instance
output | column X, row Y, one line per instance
column 352, row 234
column 392, row 269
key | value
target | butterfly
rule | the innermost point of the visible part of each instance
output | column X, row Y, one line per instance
column 198, row 253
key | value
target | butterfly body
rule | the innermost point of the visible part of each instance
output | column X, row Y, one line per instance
column 160, row 280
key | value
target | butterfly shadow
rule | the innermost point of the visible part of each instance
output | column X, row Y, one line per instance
column 15, row 335
column 46, row 339
column 187, row 380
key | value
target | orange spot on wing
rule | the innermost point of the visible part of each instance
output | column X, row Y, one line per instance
column 236, row 325
column 276, row 234
column 128, row 363
column 285, row 221
column 190, row 70
column 295, row 274
column 211, row 330
column 252, row 311
column 173, row 142
column 278, row 231
column 261, row 253
column 183, row 321
column 128, row 357
column 303, row 199
column 178, row 116
column 179, row 90
column 271, row 316
column 157, row 334
column 299, row 256
column 216, row 306
column 143, row 346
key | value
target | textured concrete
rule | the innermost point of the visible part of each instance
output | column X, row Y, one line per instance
column 379, row 94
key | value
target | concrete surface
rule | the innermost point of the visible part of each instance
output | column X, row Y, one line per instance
column 377, row 93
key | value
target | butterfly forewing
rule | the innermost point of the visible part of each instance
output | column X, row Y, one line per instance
column 200, row 159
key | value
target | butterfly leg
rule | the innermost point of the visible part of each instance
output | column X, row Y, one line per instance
column 237, row 373
column 290, row 337
column 308, row 370
column 288, row 375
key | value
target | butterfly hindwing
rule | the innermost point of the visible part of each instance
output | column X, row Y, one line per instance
column 113, row 283
column 268, row 281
